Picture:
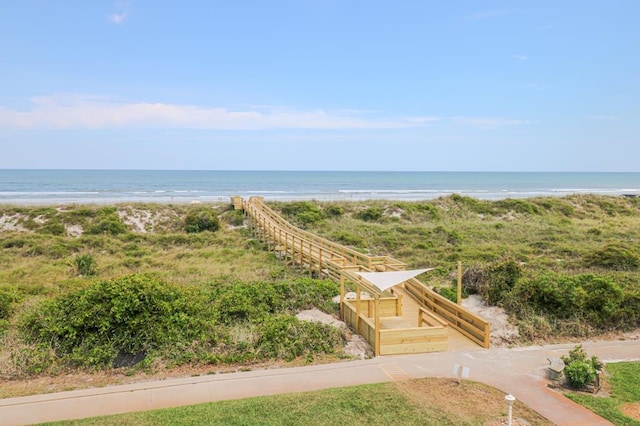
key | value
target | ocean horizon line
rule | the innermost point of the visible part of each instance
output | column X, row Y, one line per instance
column 64, row 186
column 322, row 170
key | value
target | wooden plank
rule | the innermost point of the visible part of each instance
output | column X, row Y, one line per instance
column 414, row 349
column 414, row 331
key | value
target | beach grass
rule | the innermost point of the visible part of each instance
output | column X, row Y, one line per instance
column 575, row 236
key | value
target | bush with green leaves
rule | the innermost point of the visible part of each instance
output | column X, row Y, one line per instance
column 53, row 227
column 7, row 299
column 615, row 257
column 130, row 315
column 107, row 222
column 448, row 292
column 370, row 214
column 236, row 302
column 500, row 278
column 333, row 211
column 201, row 219
column 286, row 337
column 598, row 302
column 581, row 370
column 303, row 212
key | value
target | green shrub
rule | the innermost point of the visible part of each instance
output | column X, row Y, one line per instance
column 253, row 302
column 473, row 204
column 333, row 211
column 347, row 238
column 53, row 227
column 108, row 224
column 307, row 293
column 518, row 206
column 579, row 369
column 85, row 265
column 613, row 256
column 7, row 299
column 286, row 337
column 130, row 315
column 579, row 374
column 303, row 212
column 201, row 219
column 593, row 301
column 448, row 292
column 244, row 302
column 371, row 214
column 500, row 278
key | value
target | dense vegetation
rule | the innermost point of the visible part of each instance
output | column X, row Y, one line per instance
column 148, row 286
column 95, row 286
column 135, row 318
column 560, row 266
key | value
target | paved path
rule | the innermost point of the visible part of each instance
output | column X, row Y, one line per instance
column 520, row 371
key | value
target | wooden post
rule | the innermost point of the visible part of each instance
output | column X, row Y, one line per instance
column 358, row 309
column 342, row 295
column 279, row 242
column 301, row 253
column 459, row 283
column 487, row 337
column 310, row 261
column 268, row 234
column 377, row 331
column 286, row 248
column 399, row 305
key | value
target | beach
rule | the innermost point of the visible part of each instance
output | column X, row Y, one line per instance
column 56, row 187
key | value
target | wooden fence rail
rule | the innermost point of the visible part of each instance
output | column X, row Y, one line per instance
column 323, row 257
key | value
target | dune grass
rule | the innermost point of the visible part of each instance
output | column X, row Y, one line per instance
column 562, row 249
column 581, row 234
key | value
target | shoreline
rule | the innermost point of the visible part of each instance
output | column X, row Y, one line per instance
column 360, row 196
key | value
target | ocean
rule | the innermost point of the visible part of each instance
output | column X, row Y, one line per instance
column 49, row 187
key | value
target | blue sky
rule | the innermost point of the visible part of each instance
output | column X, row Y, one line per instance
column 320, row 85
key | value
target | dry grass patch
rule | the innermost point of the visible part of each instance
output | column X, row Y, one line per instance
column 466, row 403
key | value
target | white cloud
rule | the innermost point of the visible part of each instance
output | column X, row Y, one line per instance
column 72, row 111
column 91, row 112
column 521, row 57
column 118, row 18
column 121, row 13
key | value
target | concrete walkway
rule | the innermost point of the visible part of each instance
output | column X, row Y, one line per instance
column 520, row 371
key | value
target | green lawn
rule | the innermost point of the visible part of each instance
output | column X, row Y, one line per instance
column 624, row 378
column 415, row 402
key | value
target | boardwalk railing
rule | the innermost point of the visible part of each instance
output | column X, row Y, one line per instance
column 323, row 257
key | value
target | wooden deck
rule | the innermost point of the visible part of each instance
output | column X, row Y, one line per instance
column 409, row 319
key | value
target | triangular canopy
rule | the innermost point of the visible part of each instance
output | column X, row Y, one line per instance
column 384, row 280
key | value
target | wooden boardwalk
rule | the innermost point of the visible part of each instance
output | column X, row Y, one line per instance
column 409, row 319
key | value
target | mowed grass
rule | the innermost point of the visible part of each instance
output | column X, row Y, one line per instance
column 414, row 402
column 622, row 405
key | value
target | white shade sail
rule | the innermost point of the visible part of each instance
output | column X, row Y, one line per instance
column 385, row 280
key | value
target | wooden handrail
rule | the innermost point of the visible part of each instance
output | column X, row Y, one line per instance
column 340, row 262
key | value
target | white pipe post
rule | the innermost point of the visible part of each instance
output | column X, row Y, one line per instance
column 510, row 399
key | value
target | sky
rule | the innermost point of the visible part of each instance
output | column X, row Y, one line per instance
column 320, row 85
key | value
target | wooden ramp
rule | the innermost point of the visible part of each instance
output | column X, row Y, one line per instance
column 410, row 318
